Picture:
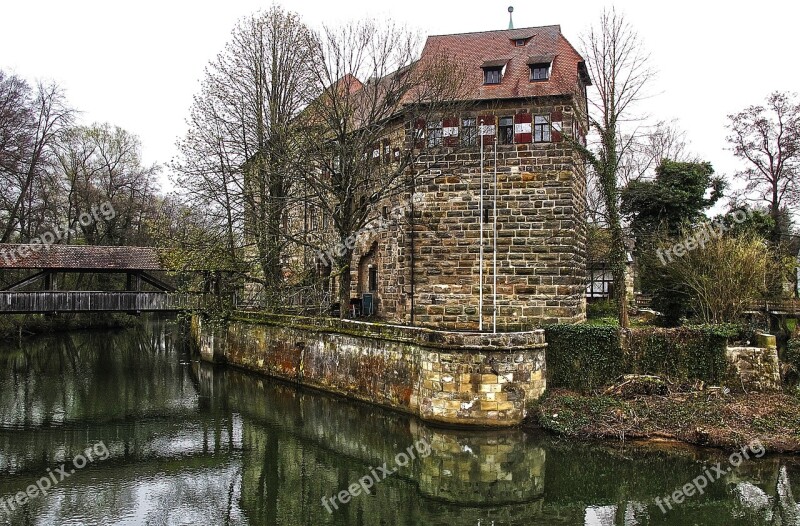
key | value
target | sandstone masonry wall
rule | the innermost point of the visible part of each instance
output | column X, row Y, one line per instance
column 445, row 377
column 541, row 267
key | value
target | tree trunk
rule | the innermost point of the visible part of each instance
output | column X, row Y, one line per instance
column 344, row 282
column 618, row 271
column 607, row 171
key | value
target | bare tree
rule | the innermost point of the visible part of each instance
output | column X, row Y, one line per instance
column 31, row 122
column 767, row 138
column 102, row 164
column 239, row 158
column 648, row 147
column 619, row 69
column 366, row 136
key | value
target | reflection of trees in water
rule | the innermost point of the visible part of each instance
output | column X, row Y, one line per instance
column 78, row 388
column 766, row 498
column 198, row 444
column 89, row 375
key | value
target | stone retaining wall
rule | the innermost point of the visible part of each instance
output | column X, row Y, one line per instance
column 456, row 378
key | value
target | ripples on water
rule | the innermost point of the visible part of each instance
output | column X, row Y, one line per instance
column 191, row 444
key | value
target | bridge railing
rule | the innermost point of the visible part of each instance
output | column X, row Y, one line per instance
column 96, row 301
column 776, row 306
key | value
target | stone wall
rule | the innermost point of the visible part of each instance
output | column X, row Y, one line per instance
column 434, row 277
column 755, row 369
column 446, row 377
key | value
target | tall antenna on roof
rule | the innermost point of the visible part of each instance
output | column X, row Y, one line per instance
column 511, row 17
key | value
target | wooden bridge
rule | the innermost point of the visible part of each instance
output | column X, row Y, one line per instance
column 46, row 262
column 789, row 308
column 776, row 307
column 97, row 301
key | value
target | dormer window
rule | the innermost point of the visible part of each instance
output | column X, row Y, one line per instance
column 540, row 67
column 540, row 72
column 521, row 40
column 492, row 75
column 493, row 71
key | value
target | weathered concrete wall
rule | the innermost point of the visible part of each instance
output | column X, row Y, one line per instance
column 446, row 377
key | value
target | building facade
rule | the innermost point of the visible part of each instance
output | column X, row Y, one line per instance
column 526, row 119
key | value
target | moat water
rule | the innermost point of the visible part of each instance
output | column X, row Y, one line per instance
column 142, row 433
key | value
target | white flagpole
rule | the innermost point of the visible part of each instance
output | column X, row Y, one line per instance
column 494, row 244
column 480, row 257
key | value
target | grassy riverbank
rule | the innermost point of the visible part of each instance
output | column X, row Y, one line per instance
column 726, row 421
column 14, row 325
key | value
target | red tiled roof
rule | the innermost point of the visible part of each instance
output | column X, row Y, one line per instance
column 475, row 50
column 75, row 257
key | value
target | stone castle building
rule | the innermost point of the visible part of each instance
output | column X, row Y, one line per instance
column 527, row 107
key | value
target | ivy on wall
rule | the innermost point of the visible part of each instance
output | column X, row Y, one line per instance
column 582, row 357
column 586, row 357
column 683, row 355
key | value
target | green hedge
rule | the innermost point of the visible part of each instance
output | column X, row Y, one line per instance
column 792, row 353
column 588, row 357
column 683, row 355
column 582, row 357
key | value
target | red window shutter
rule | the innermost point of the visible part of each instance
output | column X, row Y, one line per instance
column 522, row 128
column 556, row 134
column 487, row 127
column 419, row 133
column 450, row 131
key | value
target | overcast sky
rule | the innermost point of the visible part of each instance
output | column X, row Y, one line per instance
column 137, row 64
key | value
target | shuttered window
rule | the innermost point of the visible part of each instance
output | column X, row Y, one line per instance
column 419, row 133
column 486, row 128
column 556, row 124
column 522, row 128
column 450, row 131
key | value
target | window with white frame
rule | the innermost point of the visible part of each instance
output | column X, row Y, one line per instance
column 541, row 128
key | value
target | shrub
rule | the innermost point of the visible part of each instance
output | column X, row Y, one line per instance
column 601, row 309
column 682, row 355
column 587, row 357
column 723, row 277
column 582, row 357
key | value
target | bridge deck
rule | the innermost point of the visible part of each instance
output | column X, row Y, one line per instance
column 91, row 301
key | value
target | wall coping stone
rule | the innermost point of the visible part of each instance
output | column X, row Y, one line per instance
column 423, row 336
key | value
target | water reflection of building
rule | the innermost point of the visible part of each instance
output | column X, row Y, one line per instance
column 192, row 441
column 301, row 446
